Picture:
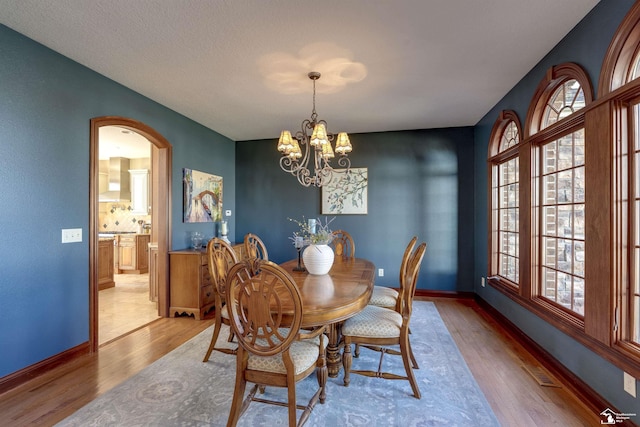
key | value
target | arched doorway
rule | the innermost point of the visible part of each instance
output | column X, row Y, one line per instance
column 160, row 195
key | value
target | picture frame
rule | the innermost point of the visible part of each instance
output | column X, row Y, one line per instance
column 202, row 196
column 346, row 193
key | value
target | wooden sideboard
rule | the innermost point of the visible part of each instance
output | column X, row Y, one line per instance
column 191, row 285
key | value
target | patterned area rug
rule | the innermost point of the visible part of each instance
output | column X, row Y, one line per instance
column 180, row 390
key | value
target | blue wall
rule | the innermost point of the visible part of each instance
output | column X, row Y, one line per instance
column 47, row 103
column 585, row 45
column 431, row 183
column 420, row 183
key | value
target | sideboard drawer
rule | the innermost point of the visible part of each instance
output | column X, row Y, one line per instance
column 190, row 283
column 208, row 294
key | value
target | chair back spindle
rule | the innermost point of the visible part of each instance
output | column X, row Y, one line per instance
column 254, row 247
column 343, row 244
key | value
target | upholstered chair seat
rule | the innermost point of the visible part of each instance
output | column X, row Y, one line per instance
column 383, row 296
column 374, row 322
column 304, row 355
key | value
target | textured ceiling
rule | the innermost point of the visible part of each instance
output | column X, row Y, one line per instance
column 240, row 66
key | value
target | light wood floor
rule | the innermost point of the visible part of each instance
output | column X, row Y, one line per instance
column 497, row 362
column 125, row 307
column 492, row 356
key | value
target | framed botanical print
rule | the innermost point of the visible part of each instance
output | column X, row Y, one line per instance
column 202, row 196
column 346, row 193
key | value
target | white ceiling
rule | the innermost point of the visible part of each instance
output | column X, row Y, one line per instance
column 114, row 141
column 240, row 66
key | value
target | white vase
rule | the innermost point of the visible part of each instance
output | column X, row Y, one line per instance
column 318, row 259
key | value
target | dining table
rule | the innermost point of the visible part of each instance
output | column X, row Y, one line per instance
column 331, row 298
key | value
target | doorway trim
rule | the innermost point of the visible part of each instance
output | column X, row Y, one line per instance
column 161, row 166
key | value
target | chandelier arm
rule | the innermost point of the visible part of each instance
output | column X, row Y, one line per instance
column 344, row 161
column 286, row 164
column 303, row 177
column 289, row 165
column 301, row 173
column 303, row 140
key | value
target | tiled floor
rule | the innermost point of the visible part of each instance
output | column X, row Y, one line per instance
column 125, row 307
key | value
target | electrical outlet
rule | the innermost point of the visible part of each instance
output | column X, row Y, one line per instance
column 71, row 235
column 227, row 212
column 482, row 282
column 380, row 272
column 630, row 384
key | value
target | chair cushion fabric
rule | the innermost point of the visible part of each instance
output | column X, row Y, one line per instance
column 373, row 322
column 304, row 354
column 224, row 313
column 383, row 297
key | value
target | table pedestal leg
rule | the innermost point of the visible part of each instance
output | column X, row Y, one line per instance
column 334, row 361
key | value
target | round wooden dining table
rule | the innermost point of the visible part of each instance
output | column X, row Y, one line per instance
column 331, row 298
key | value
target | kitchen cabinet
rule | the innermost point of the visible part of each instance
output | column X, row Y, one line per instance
column 133, row 253
column 191, row 285
column 139, row 191
column 105, row 264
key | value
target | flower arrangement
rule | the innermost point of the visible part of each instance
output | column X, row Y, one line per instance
column 312, row 232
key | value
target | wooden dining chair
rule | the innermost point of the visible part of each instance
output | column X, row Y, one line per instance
column 387, row 297
column 254, row 247
column 384, row 296
column 221, row 257
column 343, row 244
column 377, row 328
column 265, row 308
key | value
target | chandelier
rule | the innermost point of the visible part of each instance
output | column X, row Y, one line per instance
column 316, row 141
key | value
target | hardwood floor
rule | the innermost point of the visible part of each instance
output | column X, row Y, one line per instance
column 493, row 357
column 497, row 362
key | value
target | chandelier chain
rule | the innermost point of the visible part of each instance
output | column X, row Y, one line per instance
column 314, row 115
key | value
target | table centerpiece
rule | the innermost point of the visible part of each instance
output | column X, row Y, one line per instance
column 314, row 237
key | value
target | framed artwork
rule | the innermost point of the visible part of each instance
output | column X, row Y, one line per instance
column 346, row 193
column 202, row 196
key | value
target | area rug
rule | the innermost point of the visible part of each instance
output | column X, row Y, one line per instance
column 180, row 390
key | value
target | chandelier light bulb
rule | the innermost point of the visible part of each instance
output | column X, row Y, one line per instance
column 319, row 135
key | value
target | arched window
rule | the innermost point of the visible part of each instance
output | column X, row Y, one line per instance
column 578, row 198
column 620, row 65
column 556, row 129
column 505, row 198
column 566, row 100
column 620, row 71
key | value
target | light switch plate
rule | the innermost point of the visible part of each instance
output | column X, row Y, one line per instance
column 71, row 235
